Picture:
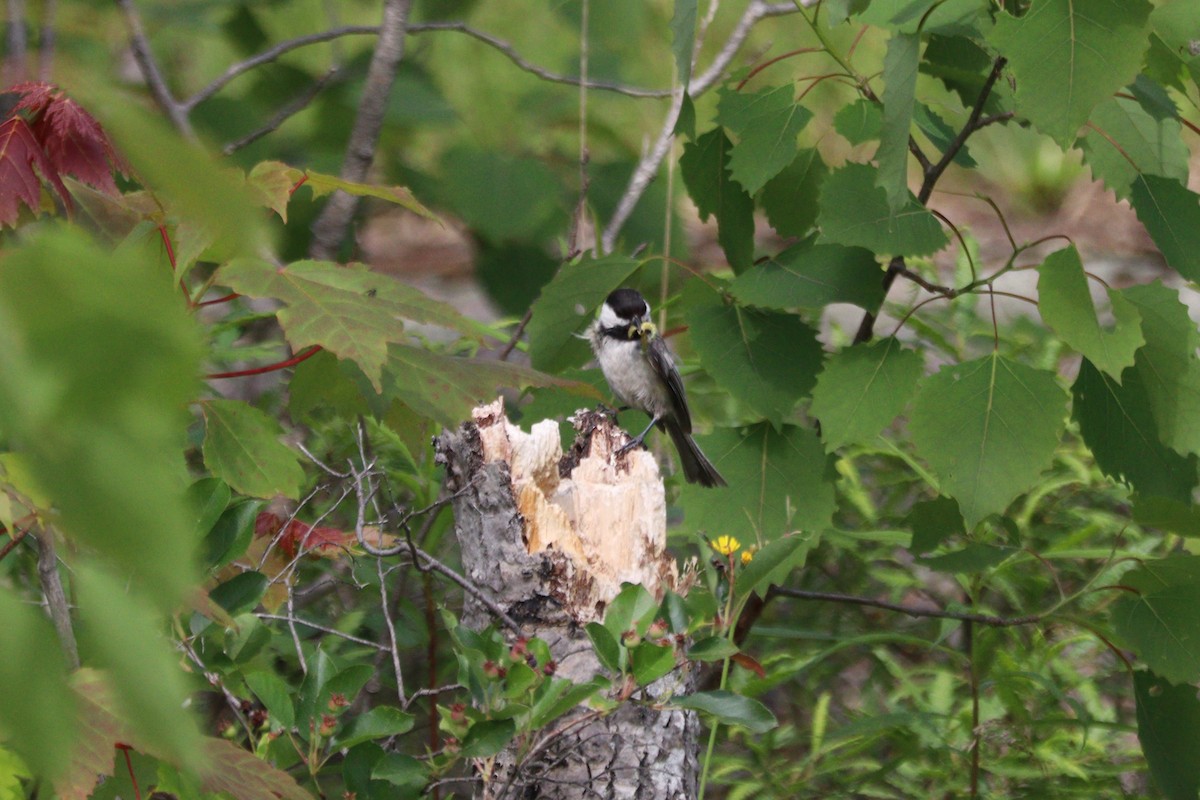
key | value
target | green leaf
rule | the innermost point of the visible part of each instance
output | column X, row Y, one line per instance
column 242, row 447
column 1171, row 214
column 778, row 484
column 275, row 695
column 402, row 771
column 650, row 661
column 810, row 275
column 567, row 304
column 122, row 633
column 488, row 737
column 773, row 563
column 322, row 184
column 562, row 696
column 1167, row 364
column 855, row 213
column 683, row 39
column 1168, row 720
column 504, row 198
column 1162, row 622
column 240, row 593
column 446, row 388
column 208, row 498
column 973, row 558
column 351, row 311
column 932, row 522
column 712, row 648
column 231, row 534
column 862, row 389
column 37, row 713
column 790, row 198
column 766, row 123
column 1176, row 28
column 633, row 609
column 1125, row 140
column 941, row 135
column 100, row 359
column 988, row 427
column 766, row 359
column 899, row 94
column 1069, row 55
column 1066, row 306
column 926, row 16
column 730, row 709
column 1116, row 422
column 605, row 645
column 378, row 723
column 860, row 121
column 704, row 166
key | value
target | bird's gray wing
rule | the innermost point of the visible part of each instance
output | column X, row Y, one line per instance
column 664, row 365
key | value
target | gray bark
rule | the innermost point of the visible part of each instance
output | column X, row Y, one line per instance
column 508, row 504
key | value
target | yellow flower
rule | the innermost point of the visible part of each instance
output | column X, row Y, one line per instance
column 747, row 556
column 725, row 545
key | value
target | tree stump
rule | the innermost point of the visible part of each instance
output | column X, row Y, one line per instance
column 551, row 538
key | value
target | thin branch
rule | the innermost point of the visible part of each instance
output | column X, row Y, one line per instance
column 56, row 598
column 516, row 336
column 647, row 167
column 14, row 540
column 175, row 111
column 334, row 220
column 323, row 629
column 290, row 362
column 289, row 110
column 912, row 611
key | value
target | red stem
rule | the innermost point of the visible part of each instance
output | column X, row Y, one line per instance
column 224, row 299
column 776, row 60
column 291, row 362
column 298, row 184
column 162, row 231
column 124, row 748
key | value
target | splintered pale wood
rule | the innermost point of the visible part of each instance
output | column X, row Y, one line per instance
column 606, row 514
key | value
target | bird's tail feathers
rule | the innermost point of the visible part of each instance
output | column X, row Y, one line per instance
column 696, row 466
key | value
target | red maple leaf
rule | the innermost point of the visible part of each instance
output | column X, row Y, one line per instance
column 35, row 96
column 297, row 536
column 23, row 165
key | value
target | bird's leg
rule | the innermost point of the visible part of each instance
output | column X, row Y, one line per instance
column 637, row 440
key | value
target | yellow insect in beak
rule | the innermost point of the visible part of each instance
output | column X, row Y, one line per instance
column 647, row 331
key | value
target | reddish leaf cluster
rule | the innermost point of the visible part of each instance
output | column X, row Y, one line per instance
column 295, row 536
column 47, row 136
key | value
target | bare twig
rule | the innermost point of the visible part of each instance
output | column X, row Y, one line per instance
column 323, row 629
column 293, row 107
column 647, row 167
column 511, row 344
column 15, row 538
column 912, row 611
column 56, row 598
column 333, row 221
column 175, row 111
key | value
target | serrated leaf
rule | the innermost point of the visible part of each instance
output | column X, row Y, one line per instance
column 855, row 213
column 773, row 563
column 683, row 39
column 1168, row 721
column 860, row 121
column 242, row 448
column 766, row 359
column 378, row 723
column 350, row 311
column 927, row 16
column 243, row 776
column 488, row 737
column 1118, row 426
column 730, row 709
column 704, row 166
column 766, row 123
column 1066, row 306
column 446, row 388
column 899, row 94
column 1161, row 623
column 778, row 484
column 322, row 185
column 22, row 165
column 1176, row 28
column 1167, row 364
column 862, row 389
column 1069, row 55
column 272, row 183
column 1171, row 214
column 567, row 304
column 988, row 427
column 810, row 275
column 1124, row 140
column 790, row 198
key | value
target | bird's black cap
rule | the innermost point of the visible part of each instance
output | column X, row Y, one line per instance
column 628, row 303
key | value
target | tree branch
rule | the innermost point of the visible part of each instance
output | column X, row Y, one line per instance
column 912, row 611
column 175, row 111
column 333, row 221
column 56, row 598
column 290, row 109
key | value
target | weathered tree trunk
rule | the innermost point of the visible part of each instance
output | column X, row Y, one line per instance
column 551, row 539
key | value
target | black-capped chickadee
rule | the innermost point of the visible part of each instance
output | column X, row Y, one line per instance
column 641, row 373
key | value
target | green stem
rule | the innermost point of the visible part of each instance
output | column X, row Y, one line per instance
column 730, row 630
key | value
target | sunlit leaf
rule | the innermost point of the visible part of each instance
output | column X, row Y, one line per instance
column 1124, row 140
column 766, row 123
column 862, row 389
